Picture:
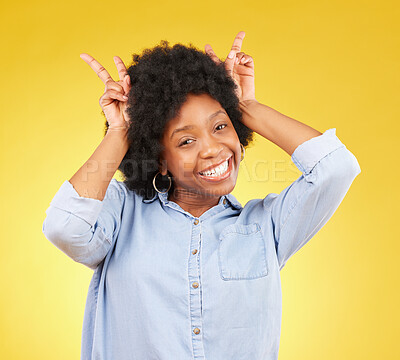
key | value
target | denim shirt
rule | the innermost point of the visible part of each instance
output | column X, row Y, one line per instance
column 168, row 285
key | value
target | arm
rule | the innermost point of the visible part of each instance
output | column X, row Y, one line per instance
column 327, row 167
column 93, row 178
column 84, row 217
column 328, row 170
column 305, row 206
column 84, row 228
column 282, row 130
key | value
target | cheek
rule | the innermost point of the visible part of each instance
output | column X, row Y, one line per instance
column 183, row 167
column 187, row 168
column 236, row 146
column 234, row 141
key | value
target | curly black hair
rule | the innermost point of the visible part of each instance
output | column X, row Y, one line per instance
column 161, row 79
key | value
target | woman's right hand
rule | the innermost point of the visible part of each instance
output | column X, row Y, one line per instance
column 113, row 101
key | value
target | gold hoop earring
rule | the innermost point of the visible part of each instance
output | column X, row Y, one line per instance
column 243, row 152
column 155, row 187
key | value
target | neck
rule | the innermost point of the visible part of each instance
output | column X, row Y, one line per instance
column 195, row 204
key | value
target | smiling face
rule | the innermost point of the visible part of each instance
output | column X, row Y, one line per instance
column 197, row 144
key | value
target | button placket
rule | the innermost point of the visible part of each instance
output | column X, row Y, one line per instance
column 194, row 282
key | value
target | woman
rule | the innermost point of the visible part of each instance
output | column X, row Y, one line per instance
column 181, row 269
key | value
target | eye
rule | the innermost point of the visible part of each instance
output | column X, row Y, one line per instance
column 185, row 142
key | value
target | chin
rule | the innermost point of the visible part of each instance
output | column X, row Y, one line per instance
column 220, row 190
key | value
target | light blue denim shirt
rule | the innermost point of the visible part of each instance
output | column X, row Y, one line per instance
column 168, row 285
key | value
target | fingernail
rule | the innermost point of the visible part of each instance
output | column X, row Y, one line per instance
column 231, row 54
column 125, row 97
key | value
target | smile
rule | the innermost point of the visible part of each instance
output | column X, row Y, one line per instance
column 218, row 173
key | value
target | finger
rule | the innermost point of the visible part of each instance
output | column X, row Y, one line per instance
column 236, row 47
column 242, row 59
column 239, row 57
column 126, row 84
column 247, row 60
column 122, row 72
column 210, row 52
column 113, row 94
column 97, row 67
column 114, row 86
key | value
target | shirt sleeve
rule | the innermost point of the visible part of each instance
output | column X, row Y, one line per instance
column 84, row 228
column 304, row 207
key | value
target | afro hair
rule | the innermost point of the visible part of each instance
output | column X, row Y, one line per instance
column 161, row 78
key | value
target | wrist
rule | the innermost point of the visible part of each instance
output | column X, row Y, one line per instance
column 120, row 133
column 249, row 109
column 247, row 102
column 118, row 128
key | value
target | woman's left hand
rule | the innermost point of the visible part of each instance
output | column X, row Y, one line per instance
column 239, row 66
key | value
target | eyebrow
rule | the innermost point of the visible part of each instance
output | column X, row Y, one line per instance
column 187, row 127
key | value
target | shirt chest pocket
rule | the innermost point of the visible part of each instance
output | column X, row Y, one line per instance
column 242, row 253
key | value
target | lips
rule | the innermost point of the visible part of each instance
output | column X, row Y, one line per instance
column 214, row 166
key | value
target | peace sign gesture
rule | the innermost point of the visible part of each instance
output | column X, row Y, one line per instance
column 239, row 66
column 113, row 101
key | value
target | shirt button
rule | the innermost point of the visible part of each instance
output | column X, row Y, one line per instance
column 194, row 251
column 195, row 284
column 196, row 222
column 224, row 201
column 196, row 331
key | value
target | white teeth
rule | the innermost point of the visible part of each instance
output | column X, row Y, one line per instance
column 219, row 170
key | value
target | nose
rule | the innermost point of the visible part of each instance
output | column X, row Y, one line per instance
column 210, row 147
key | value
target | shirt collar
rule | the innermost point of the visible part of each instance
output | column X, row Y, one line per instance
column 229, row 197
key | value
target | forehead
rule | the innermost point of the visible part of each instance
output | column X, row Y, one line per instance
column 197, row 108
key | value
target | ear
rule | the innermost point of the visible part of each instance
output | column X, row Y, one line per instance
column 162, row 168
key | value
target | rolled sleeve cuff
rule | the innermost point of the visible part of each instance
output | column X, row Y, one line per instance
column 69, row 200
column 309, row 153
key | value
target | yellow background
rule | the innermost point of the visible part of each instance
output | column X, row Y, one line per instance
column 326, row 63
